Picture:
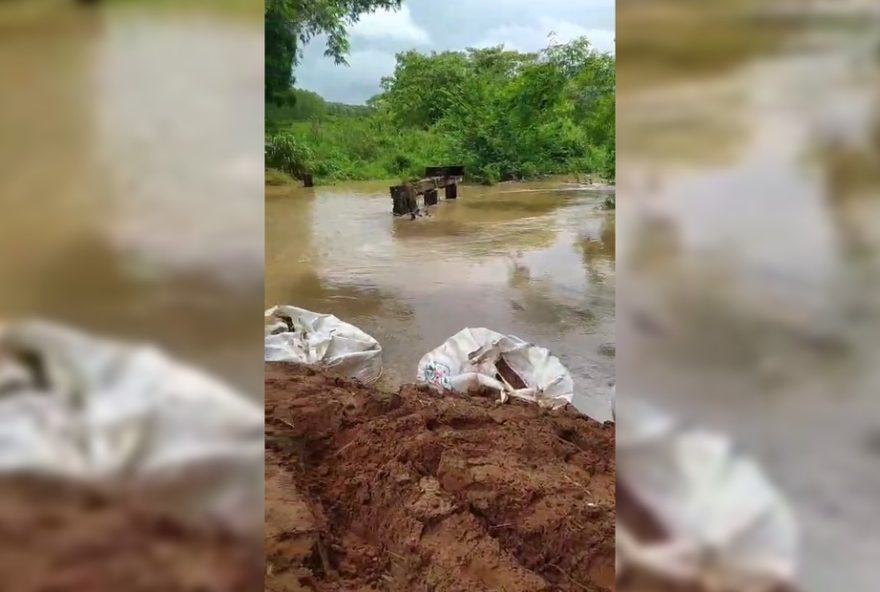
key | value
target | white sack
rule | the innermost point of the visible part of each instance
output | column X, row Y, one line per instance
column 297, row 335
column 729, row 527
column 468, row 360
column 113, row 414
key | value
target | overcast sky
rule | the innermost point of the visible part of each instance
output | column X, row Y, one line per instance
column 437, row 25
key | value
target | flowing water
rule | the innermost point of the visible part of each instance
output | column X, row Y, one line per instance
column 750, row 215
column 531, row 259
column 131, row 177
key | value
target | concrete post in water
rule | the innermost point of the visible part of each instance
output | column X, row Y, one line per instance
column 431, row 197
column 452, row 191
column 412, row 203
column 397, row 196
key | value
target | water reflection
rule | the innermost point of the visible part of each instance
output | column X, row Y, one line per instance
column 505, row 257
column 598, row 250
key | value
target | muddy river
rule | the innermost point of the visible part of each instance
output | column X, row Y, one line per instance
column 750, row 259
column 131, row 177
column 532, row 259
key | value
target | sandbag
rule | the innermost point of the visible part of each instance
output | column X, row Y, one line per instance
column 298, row 335
column 114, row 414
column 477, row 357
column 728, row 527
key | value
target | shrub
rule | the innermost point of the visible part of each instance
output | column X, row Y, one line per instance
column 288, row 154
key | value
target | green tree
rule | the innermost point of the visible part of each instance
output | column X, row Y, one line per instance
column 501, row 113
column 290, row 24
column 423, row 87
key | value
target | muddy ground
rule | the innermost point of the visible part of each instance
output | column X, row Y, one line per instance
column 58, row 537
column 413, row 491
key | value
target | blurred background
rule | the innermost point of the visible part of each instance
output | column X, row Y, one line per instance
column 131, row 208
column 131, row 174
column 749, row 247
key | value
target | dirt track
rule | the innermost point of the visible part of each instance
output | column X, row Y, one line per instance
column 58, row 537
column 416, row 491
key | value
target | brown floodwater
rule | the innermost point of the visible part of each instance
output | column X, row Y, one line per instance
column 750, row 260
column 131, row 177
column 531, row 259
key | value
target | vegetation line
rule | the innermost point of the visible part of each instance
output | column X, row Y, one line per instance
column 502, row 114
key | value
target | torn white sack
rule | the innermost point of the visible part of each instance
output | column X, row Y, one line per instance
column 298, row 335
column 114, row 414
column 727, row 525
column 476, row 357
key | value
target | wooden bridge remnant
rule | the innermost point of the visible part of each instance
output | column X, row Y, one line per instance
column 405, row 196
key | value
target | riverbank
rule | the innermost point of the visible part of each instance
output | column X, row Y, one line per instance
column 413, row 490
column 276, row 178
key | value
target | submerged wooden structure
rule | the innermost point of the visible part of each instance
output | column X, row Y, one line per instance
column 406, row 195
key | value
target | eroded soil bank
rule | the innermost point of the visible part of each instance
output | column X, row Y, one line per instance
column 59, row 537
column 410, row 491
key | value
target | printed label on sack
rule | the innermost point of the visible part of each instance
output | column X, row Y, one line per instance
column 437, row 373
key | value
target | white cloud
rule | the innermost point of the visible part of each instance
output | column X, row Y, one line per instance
column 354, row 83
column 537, row 36
column 519, row 24
column 388, row 24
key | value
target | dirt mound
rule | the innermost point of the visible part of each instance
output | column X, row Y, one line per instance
column 57, row 537
column 416, row 491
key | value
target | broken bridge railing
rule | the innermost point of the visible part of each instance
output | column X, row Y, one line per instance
column 405, row 196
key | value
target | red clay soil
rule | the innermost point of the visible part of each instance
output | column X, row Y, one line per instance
column 57, row 537
column 416, row 491
column 640, row 581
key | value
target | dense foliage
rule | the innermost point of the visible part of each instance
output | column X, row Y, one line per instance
column 502, row 114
